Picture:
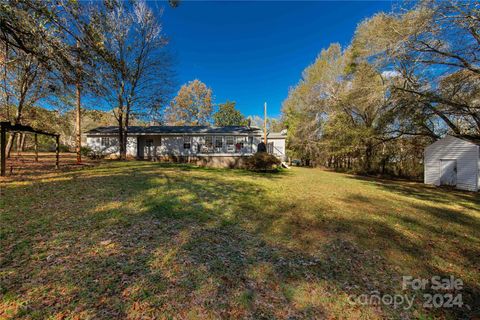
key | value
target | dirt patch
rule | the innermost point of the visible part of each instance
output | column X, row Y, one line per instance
column 22, row 165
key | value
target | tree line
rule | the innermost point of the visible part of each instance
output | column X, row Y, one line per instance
column 407, row 78
column 93, row 63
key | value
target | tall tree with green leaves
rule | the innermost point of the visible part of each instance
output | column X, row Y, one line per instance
column 308, row 104
column 433, row 48
column 227, row 115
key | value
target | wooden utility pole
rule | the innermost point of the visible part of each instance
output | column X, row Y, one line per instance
column 265, row 124
column 78, row 133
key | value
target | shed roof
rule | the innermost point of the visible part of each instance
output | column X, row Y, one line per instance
column 472, row 139
column 277, row 135
column 456, row 139
column 177, row 130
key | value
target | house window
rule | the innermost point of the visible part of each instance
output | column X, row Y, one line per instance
column 270, row 147
column 200, row 144
column 149, row 142
column 241, row 141
column 208, row 144
column 105, row 142
column 187, row 142
column 218, row 143
column 230, row 144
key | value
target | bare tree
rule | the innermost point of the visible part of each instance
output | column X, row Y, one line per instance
column 136, row 68
column 26, row 82
column 55, row 34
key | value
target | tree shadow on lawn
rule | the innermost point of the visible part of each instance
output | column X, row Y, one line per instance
column 175, row 241
column 433, row 240
column 425, row 192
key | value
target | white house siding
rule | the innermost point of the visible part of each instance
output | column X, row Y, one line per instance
column 132, row 146
column 278, row 147
column 173, row 145
column 466, row 155
column 95, row 143
column 163, row 145
column 256, row 141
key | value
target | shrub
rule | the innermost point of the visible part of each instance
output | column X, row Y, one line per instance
column 62, row 148
column 95, row 155
column 90, row 153
column 262, row 161
column 86, row 151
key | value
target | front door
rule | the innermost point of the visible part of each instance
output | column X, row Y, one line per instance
column 448, row 172
column 148, row 151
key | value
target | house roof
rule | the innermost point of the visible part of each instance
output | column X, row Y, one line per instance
column 177, row 130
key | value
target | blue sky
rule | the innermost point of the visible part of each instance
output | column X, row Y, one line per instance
column 251, row 52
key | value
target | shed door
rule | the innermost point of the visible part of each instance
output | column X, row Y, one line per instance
column 448, row 172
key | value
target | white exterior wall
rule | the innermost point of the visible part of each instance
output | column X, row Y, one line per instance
column 450, row 148
column 278, row 147
column 256, row 141
column 168, row 145
column 95, row 143
column 132, row 146
column 173, row 145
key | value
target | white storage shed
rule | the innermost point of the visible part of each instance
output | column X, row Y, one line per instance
column 453, row 161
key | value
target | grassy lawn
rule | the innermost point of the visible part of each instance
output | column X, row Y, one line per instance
column 143, row 240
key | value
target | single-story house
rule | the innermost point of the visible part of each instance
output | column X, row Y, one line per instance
column 216, row 146
column 453, row 161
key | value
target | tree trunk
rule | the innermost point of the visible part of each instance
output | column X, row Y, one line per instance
column 121, row 113
column 17, row 119
column 22, row 142
column 125, row 133
column 36, row 147
column 3, row 158
column 120, row 136
column 11, row 140
column 78, row 126
column 5, row 76
column 57, row 152
column 123, row 155
column 368, row 158
column 17, row 142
